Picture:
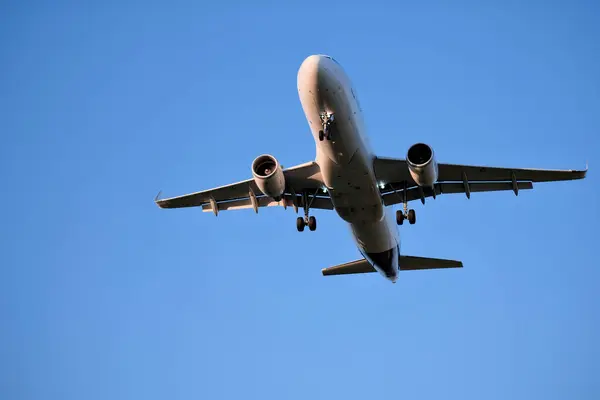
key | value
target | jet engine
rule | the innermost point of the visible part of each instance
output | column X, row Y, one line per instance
column 422, row 165
column 268, row 176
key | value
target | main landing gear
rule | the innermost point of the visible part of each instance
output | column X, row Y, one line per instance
column 326, row 121
column 309, row 221
column 406, row 213
column 410, row 216
column 302, row 222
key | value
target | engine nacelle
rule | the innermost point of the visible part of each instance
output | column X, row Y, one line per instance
column 422, row 164
column 268, row 176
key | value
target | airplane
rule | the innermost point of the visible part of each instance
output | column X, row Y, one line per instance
column 348, row 177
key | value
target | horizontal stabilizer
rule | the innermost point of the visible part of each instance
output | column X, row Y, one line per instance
column 411, row 263
column 353, row 267
column 406, row 263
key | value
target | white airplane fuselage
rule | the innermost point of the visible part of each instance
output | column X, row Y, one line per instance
column 358, row 180
column 346, row 161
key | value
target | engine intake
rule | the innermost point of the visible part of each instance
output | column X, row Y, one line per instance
column 422, row 164
column 268, row 176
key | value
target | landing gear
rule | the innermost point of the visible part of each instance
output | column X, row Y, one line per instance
column 399, row 217
column 412, row 218
column 309, row 221
column 300, row 224
column 326, row 121
column 410, row 215
column 312, row 223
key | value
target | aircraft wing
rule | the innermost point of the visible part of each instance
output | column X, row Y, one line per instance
column 246, row 194
column 456, row 178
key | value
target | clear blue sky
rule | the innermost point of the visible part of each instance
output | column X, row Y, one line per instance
column 105, row 296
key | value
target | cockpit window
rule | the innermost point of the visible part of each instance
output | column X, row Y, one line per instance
column 332, row 59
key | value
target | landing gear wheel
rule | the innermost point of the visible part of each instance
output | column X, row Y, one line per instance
column 412, row 217
column 312, row 223
column 308, row 220
column 399, row 217
column 300, row 224
column 326, row 123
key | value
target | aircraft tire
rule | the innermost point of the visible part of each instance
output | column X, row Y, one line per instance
column 412, row 217
column 399, row 217
column 312, row 223
column 300, row 224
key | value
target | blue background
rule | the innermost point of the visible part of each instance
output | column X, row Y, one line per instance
column 105, row 296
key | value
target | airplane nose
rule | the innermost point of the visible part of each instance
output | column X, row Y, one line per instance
column 309, row 70
column 313, row 70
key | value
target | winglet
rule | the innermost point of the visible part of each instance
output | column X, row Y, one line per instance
column 156, row 199
column 583, row 173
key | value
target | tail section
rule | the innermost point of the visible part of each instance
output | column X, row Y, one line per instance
column 411, row 263
column 406, row 263
column 353, row 267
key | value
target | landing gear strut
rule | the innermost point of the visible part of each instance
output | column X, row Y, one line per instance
column 406, row 213
column 309, row 221
column 326, row 121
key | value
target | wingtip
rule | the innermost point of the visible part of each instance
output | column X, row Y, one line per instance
column 582, row 174
column 157, row 200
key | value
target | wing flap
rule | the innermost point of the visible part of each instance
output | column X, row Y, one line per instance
column 416, row 193
column 454, row 172
column 322, row 203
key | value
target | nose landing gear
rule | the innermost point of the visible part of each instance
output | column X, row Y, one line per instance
column 326, row 121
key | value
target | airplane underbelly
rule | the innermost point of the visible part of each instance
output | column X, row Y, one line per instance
column 375, row 236
column 353, row 191
column 345, row 141
column 346, row 166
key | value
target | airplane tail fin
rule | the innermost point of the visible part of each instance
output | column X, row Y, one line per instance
column 406, row 263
